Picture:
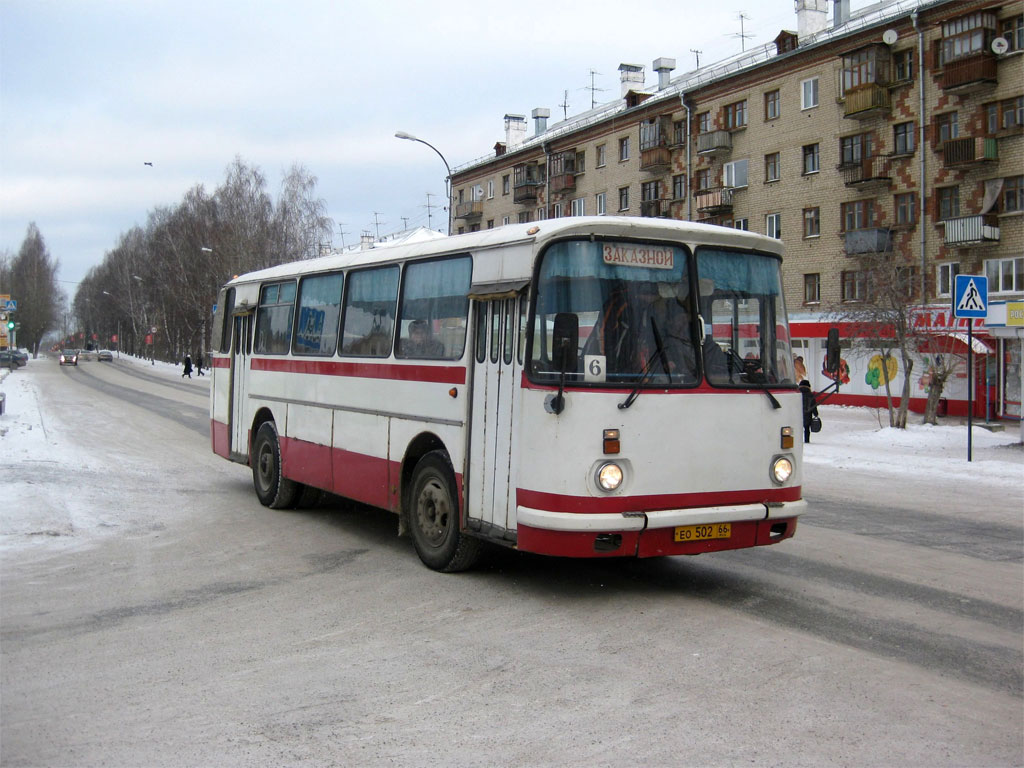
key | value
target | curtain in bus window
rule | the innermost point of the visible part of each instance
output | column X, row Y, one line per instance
column 319, row 311
column 370, row 312
column 274, row 319
column 435, row 305
column 742, row 306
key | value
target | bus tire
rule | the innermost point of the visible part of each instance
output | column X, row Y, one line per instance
column 272, row 489
column 434, row 517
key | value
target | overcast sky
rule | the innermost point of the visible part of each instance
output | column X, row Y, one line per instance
column 90, row 91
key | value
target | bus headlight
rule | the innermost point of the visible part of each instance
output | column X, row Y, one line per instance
column 609, row 476
column 782, row 469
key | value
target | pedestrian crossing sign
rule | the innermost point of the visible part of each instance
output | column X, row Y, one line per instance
column 970, row 297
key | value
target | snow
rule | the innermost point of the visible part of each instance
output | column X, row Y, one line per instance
column 35, row 456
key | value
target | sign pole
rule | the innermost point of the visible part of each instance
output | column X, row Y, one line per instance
column 970, row 382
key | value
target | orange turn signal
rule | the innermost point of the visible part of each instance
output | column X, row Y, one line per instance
column 453, row 392
column 787, row 437
column 611, row 441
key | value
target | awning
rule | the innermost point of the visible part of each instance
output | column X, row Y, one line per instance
column 954, row 343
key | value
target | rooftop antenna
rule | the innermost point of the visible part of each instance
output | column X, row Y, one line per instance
column 742, row 35
column 696, row 53
column 565, row 105
column 593, row 89
column 405, row 223
column 430, row 207
column 376, row 223
column 342, row 232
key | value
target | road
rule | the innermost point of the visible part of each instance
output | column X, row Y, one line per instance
column 194, row 627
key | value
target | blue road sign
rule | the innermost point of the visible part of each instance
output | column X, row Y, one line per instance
column 970, row 297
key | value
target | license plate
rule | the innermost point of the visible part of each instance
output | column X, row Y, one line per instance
column 686, row 533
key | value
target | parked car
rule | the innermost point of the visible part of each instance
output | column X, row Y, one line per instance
column 69, row 357
column 21, row 355
column 9, row 359
column 105, row 354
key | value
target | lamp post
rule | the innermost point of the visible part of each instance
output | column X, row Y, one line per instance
column 448, row 178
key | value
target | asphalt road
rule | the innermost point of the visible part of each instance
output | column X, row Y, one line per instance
column 199, row 628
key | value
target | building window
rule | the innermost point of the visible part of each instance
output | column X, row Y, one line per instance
column 1004, row 115
column 812, row 222
column 600, row 202
column 811, row 159
column 853, row 149
column 772, row 165
column 771, row 105
column 855, row 286
column 906, row 209
column 703, row 122
column 967, row 36
column 947, row 126
column 506, row 184
column 624, row 149
column 679, row 132
column 809, row 93
column 903, row 138
column 734, row 174
column 623, row 198
column 743, row 224
column 735, row 115
column 812, row 288
column 490, row 223
column 947, row 276
column 1005, row 275
column 581, row 161
column 506, row 220
column 949, row 202
column 1013, row 31
column 490, row 189
column 556, row 211
column 703, row 179
column 578, row 207
column 856, row 215
column 1013, row 194
column 541, row 214
column 600, row 149
column 903, row 65
column 773, row 225
column 524, row 217
column 679, row 186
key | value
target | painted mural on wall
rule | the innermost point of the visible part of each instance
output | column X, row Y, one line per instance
column 881, row 368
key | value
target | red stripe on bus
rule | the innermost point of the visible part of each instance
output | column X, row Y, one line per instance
column 555, row 502
column 219, row 438
column 446, row 374
column 220, row 362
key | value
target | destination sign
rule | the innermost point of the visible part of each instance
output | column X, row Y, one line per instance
column 633, row 255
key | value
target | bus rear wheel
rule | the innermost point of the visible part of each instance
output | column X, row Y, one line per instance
column 272, row 489
column 434, row 517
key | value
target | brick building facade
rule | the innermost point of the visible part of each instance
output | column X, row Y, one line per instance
column 823, row 139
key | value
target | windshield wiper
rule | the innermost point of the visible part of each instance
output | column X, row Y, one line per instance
column 646, row 372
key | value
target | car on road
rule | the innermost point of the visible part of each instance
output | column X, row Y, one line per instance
column 20, row 355
column 69, row 357
column 84, row 355
column 105, row 354
column 10, row 359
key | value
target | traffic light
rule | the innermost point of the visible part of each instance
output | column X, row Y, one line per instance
column 10, row 325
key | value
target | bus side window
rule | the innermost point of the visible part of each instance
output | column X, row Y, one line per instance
column 369, row 316
column 510, row 334
column 495, row 332
column 433, row 315
column 481, row 331
column 319, row 313
column 523, row 317
column 274, row 318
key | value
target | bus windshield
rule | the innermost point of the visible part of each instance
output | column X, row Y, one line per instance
column 660, row 315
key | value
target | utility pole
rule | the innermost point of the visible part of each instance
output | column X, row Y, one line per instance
column 696, row 53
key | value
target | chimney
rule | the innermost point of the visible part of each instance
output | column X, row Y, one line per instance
column 515, row 131
column 840, row 12
column 664, row 67
column 365, row 241
column 632, row 77
column 540, row 120
column 811, row 17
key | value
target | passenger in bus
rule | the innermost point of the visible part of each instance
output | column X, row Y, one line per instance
column 421, row 342
column 680, row 349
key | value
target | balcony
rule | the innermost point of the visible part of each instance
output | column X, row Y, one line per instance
column 866, row 171
column 714, row 142
column 714, row 202
column 658, row 209
column 655, row 159
column 974, row 149
column 526, row 180
column 562, row 183
column 874, row 240
column 967, row 231
column 866, row 102
column 471, row 210
column 969, row 73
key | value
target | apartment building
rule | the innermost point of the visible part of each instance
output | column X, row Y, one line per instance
column 897, row 130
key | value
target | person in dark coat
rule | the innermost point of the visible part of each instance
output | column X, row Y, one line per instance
column 199, row 364
column 810, row 408
column 188, row 367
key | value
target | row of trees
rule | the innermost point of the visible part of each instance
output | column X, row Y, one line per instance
column 30, row 278
column 166, row 274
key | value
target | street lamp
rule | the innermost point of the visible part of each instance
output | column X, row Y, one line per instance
column 448, row 178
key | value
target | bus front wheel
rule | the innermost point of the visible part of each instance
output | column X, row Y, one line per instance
column 272, row 489
column 434, row 517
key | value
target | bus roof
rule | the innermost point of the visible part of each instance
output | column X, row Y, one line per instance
column 530, row 234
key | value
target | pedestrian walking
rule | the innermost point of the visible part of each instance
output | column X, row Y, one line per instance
column 199, row 365
column 188, row 367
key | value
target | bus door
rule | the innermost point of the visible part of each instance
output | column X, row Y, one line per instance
column 498, row 364
column 241, row 349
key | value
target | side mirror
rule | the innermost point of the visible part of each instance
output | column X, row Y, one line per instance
column 566, row 342
column 832, row 352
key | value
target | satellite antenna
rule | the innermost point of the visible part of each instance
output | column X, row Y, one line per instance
column 890, row 36
column 742, row 34
column 1000, row 46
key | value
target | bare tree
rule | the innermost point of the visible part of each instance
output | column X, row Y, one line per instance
column 33, row 284
column 301, row 222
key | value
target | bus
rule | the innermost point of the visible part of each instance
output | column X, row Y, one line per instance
column 576, row 387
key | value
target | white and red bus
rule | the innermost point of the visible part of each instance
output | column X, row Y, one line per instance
column 582, row 387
